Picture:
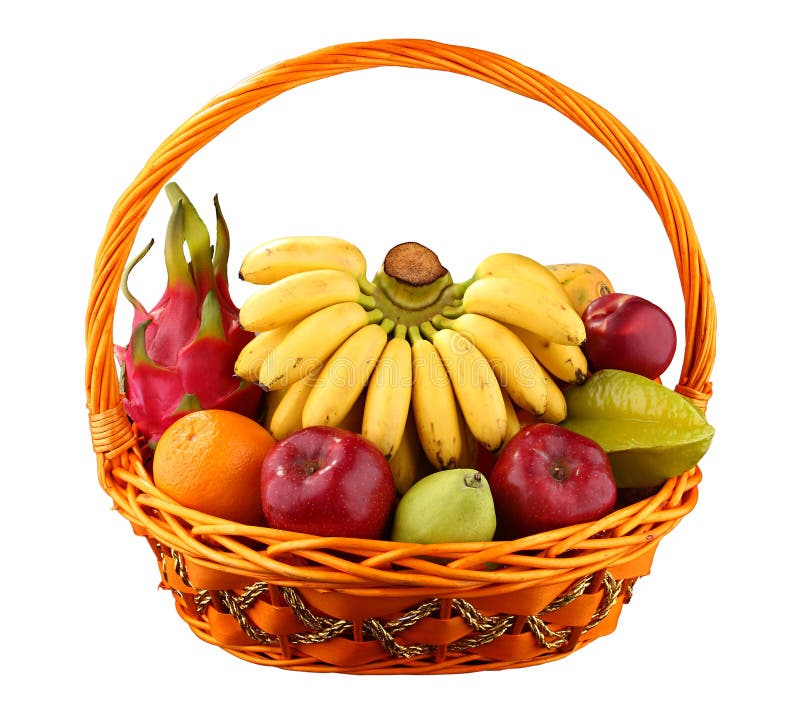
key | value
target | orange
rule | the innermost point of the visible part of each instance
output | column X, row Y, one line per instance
column 210, row 461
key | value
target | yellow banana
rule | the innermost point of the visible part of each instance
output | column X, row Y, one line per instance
column 352, row 421
column 285, row 409
column 388, row 398
column 469, row 444
column 251, row 357
column 556, row 410
column 309, row 344
column 433, row 404
column 517, row 371
column 285, row 406
column 525, row 304
column 522, row 267
column 297, row 296
column 582, row 282
column 409, row 462
column 344, row 377
column 476, row 387
column 278, row 258
column 566, row 362
column 513, row 425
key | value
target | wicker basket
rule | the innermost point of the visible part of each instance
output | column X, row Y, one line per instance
column 365, row 606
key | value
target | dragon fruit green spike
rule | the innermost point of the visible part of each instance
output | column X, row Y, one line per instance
column 181, row 354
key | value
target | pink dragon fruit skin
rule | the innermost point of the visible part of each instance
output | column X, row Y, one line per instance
column 181, row 354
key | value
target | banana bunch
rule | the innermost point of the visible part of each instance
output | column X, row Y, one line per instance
column 516, row 313
column 425, row 369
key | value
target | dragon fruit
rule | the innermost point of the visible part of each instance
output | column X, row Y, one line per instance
column 181, row 353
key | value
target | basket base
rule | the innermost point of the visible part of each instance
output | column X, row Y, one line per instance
column 267, row 625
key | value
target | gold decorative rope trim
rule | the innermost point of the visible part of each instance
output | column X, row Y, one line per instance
column 485, row 629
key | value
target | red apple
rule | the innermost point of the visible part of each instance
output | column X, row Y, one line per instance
column 548, row 477
column 327, row 481
column 629, row 333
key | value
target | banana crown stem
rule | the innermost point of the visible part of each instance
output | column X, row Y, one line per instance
column 442, row 322
column 366, row 286
column 412, row 286
column 368, row 302
column 427, row 330
column 460, row 289
column 375, row 316
column 452, row 312
column 414, row 335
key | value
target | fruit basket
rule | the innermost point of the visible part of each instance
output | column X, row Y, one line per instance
column 303, row 602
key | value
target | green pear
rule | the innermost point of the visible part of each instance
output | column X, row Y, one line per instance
column 451, row 506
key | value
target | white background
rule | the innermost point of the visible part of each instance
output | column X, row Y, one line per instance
column 90, row 90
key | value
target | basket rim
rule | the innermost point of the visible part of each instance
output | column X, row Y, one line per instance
column 119, row 450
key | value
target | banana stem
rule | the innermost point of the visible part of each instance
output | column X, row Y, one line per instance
column 460, row 289
column 441, row 322
column 401, row 331
column 368, row 302
column 452, row 312
column 387, row 325
column 414, row 335
column 375, row 316
column 366, row 286
column 427, row 330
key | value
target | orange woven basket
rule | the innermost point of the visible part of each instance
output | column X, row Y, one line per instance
column 367, row 606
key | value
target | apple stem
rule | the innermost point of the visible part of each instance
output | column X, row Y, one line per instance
column 559, row 473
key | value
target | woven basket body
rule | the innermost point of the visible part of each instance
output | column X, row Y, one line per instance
column 360, row 606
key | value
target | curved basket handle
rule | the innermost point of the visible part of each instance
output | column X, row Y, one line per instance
column 102, row 386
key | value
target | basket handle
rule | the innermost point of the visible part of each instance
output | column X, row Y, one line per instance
column 110, row 430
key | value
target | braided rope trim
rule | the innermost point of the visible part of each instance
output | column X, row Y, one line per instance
column 485, row 629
